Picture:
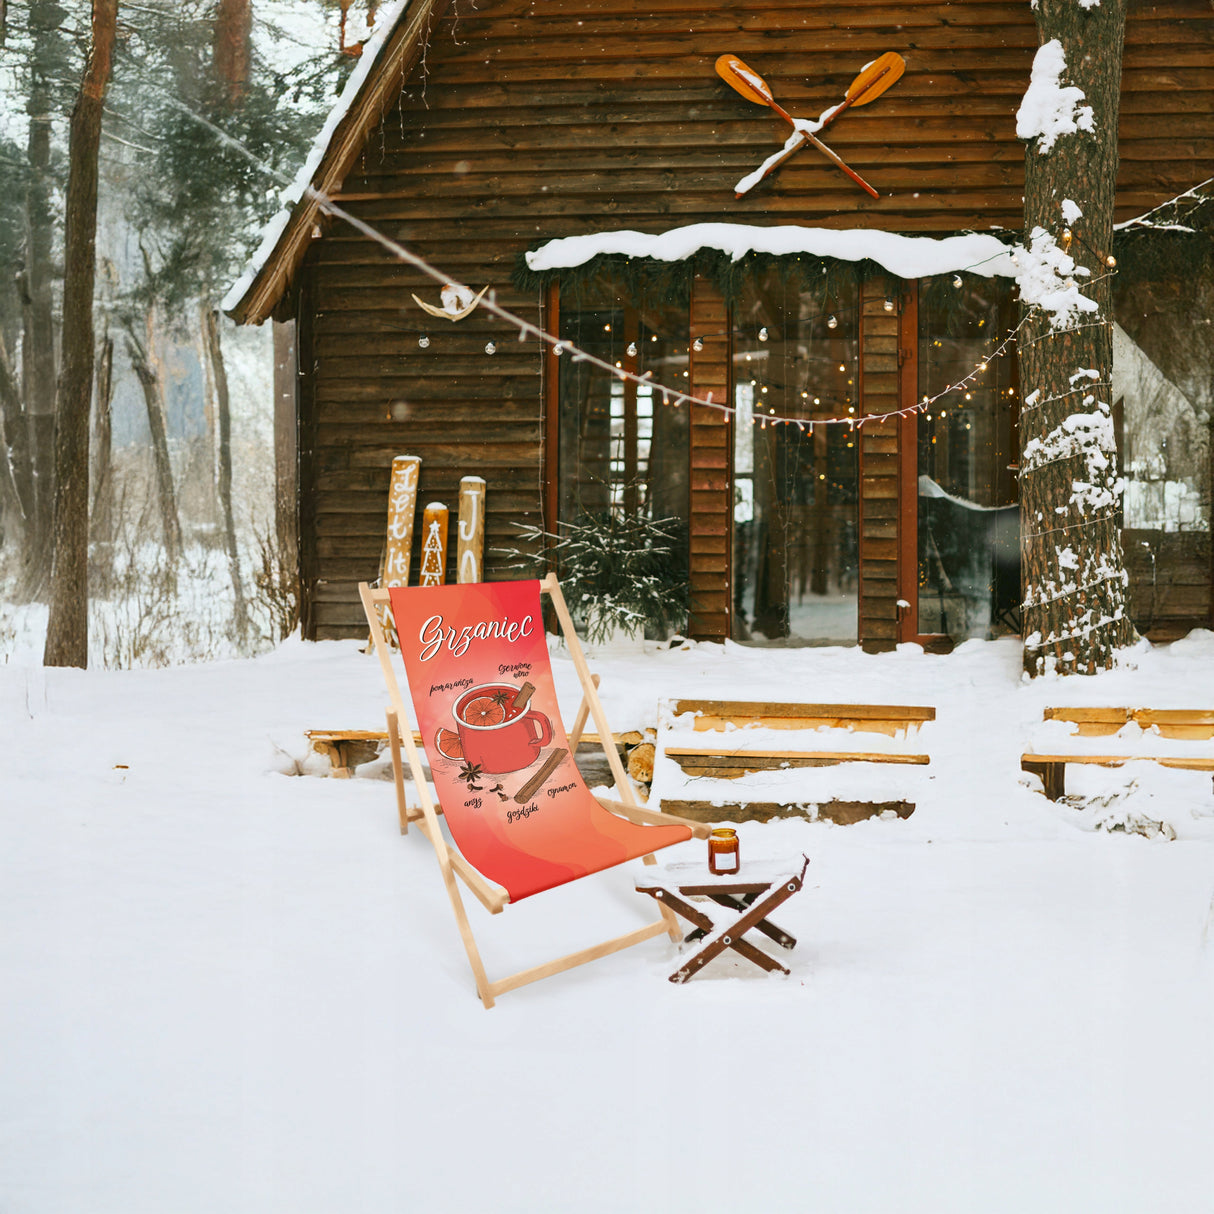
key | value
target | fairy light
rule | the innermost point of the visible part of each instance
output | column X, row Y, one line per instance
column 528, row 330
column 424, row 342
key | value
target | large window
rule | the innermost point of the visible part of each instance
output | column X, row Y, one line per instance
column 969, row 556
column 795, row 533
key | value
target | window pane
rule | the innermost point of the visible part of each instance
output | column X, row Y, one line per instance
column 620, row 447
column 969, row 556
column 795, row 530
column 1163, row 395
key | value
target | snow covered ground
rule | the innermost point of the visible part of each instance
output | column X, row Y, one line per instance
column 226, row 989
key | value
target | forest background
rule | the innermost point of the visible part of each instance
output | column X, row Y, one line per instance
column 184, row 557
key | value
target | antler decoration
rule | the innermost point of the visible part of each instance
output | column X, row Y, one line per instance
column 458, row 302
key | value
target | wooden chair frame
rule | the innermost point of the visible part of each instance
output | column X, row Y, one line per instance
column 452, row 864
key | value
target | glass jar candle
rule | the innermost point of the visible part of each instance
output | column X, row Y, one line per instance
column 724, row 856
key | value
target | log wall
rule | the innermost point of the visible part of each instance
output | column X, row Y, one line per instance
column 523, row 121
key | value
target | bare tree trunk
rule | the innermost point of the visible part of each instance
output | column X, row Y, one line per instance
column 211, row 501
column 153, row 397
column 12, row 510
column 223, row 402
column 231, row 54
column 14, row 452
column 1073, row 576
column 101, row 523
column 67, row 632
column 38, row 343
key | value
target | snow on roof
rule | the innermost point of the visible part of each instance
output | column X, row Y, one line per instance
column 905, row 256
column 388, row 18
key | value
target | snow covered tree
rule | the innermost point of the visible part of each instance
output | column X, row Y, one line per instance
column 1073, row 577
column 67, row 634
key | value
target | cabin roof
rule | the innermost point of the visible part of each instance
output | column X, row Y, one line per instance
column 371, row 88
column 392, row 53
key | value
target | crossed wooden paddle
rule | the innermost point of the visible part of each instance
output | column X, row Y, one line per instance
column 872, row 81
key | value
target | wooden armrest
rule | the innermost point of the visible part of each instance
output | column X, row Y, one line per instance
column 653, row 817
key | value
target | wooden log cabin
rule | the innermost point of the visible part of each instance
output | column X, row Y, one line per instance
column 479, row 135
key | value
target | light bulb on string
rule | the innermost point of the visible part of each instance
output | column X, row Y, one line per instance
column 763, row 334
column 957, row 281
column 490, row 347
column 888, row 305
column 697, row 345
column 832, row 321
column 632, row 349
column 424, row 342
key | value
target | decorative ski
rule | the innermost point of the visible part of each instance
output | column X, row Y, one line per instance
column 434, row 545
column 871, row 82
column 398, row 545
column 471, row 530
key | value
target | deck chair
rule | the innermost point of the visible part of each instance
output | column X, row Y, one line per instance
column 520, row 816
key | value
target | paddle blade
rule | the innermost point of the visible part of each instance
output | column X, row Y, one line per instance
column 744, row 80
column 874, row 79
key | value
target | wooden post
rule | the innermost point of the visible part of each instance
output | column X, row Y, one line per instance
column 434, row 545
column 469, row 553
column 402, row 506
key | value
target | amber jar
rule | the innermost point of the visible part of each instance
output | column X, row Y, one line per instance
column 724, row 856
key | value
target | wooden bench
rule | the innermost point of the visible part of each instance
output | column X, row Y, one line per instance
column 729, row 762
column 347, row 748
column 1187, row 724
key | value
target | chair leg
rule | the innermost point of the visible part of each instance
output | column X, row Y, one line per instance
column 398, row 773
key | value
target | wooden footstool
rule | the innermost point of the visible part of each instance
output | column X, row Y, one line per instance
column 746, row 899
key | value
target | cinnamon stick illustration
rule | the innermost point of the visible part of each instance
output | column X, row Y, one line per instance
column 522, row 698
column 537, row 781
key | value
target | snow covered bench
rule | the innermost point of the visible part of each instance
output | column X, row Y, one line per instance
column 748, row 760
column 1170, row 737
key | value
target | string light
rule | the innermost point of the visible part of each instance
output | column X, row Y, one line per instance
column 527, row 329
column 763, row 334
column 832, row 321
column 632, row 349
column 424, row 342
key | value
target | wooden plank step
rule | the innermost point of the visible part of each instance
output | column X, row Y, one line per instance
column 842, row 813
column 733, row 766
column 888, row 719
column 1182, row 763
column 1183, row 723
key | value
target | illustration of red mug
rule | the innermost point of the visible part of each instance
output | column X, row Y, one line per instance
column 493, row 734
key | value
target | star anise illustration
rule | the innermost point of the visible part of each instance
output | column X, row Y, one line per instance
column 470, row 773
column 502, row 697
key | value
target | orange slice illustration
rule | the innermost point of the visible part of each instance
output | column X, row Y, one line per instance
column 448, row 743
column 484, row 710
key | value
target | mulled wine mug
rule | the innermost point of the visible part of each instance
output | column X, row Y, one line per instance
column 500, row 745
